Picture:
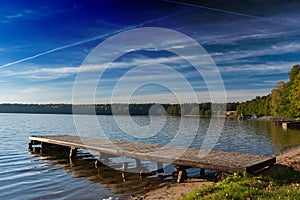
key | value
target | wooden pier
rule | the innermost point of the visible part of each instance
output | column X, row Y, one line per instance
column 280, row 121
column 286, row 125
column 181, row 157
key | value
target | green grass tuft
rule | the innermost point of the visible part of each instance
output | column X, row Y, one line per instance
column 283, row 185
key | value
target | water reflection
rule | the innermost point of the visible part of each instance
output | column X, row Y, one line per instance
column 122, row 183
column 261, row 137
column 37, row 177
column 283, row 139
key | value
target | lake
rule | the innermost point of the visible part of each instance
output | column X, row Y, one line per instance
column 25, row 175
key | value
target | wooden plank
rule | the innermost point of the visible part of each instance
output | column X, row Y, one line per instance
column 180, row 156
column 261, row 165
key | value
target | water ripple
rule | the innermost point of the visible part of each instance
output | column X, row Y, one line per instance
column 27, row 176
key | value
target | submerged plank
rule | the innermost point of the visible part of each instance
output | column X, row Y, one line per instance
column 189, row 157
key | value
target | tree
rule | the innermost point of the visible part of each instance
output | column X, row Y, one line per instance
column 294, row 97
column 294, row 73
column 276, row 97
column 283, row 101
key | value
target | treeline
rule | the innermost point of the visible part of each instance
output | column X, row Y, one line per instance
column 284, row 100
column 120, row 109
column 258, row 106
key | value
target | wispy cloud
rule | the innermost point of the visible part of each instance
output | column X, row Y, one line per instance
column 235, row 38
column 42, row 73
column 18, row 15
column 40, row 93
column 220, row 10
column 235, row 56
column 31, row 90
column 49, row 73
column 32, row 14
column 204, row 96
column 265, row 68
column 23, row 14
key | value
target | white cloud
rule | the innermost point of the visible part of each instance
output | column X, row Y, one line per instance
column 62, row 93
column 32, row 90
column 41, row 73
column 36, row 94
column 232, row 38
column 238, row 55
column 231, row 96
column 14, row 16
column 23, row 14
column 259, row 69
column 49, row 73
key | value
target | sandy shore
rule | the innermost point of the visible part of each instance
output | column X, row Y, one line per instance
column 290, row 158
column 174, row 191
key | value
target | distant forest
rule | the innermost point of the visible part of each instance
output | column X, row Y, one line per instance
column 120, row 109
column 284, row 100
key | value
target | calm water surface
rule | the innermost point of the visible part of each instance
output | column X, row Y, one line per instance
column 24, row 175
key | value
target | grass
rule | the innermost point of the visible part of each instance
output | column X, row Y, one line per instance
column 283, row 185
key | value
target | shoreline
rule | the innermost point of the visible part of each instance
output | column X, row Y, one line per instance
column 290, row 158
column 287, row 159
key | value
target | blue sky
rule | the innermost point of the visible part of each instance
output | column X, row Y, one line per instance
column 44, row 43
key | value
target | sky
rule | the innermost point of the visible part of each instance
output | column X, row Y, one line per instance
column 46, row 46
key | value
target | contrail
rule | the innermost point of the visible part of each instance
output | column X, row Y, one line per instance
column 216, row 9
column 64, row 47
column 90, row 39
column 50, row 51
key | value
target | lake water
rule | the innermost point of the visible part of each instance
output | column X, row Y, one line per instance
column 25, row 175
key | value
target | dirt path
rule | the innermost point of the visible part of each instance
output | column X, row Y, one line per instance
column 290, row 158
column 173, row 191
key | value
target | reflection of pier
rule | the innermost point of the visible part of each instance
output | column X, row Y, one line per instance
column 82, row 166
column 181, row 157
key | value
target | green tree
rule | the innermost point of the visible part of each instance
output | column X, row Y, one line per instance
column 294, row 97
column 276, row 97
column 294, row 73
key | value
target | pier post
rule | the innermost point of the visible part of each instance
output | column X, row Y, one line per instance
column 30, row 145
column 182, row 174
column 140, row 168
column 125, row 166
column 202, row 172
column 36, row 149
column 73, row 152
column 98, row 162
column 45, row 147
column 138, row 163
column 160, row 167
column 71, row 162
column 124, row 169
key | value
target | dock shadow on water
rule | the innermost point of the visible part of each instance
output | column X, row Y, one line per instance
column 122, row 184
